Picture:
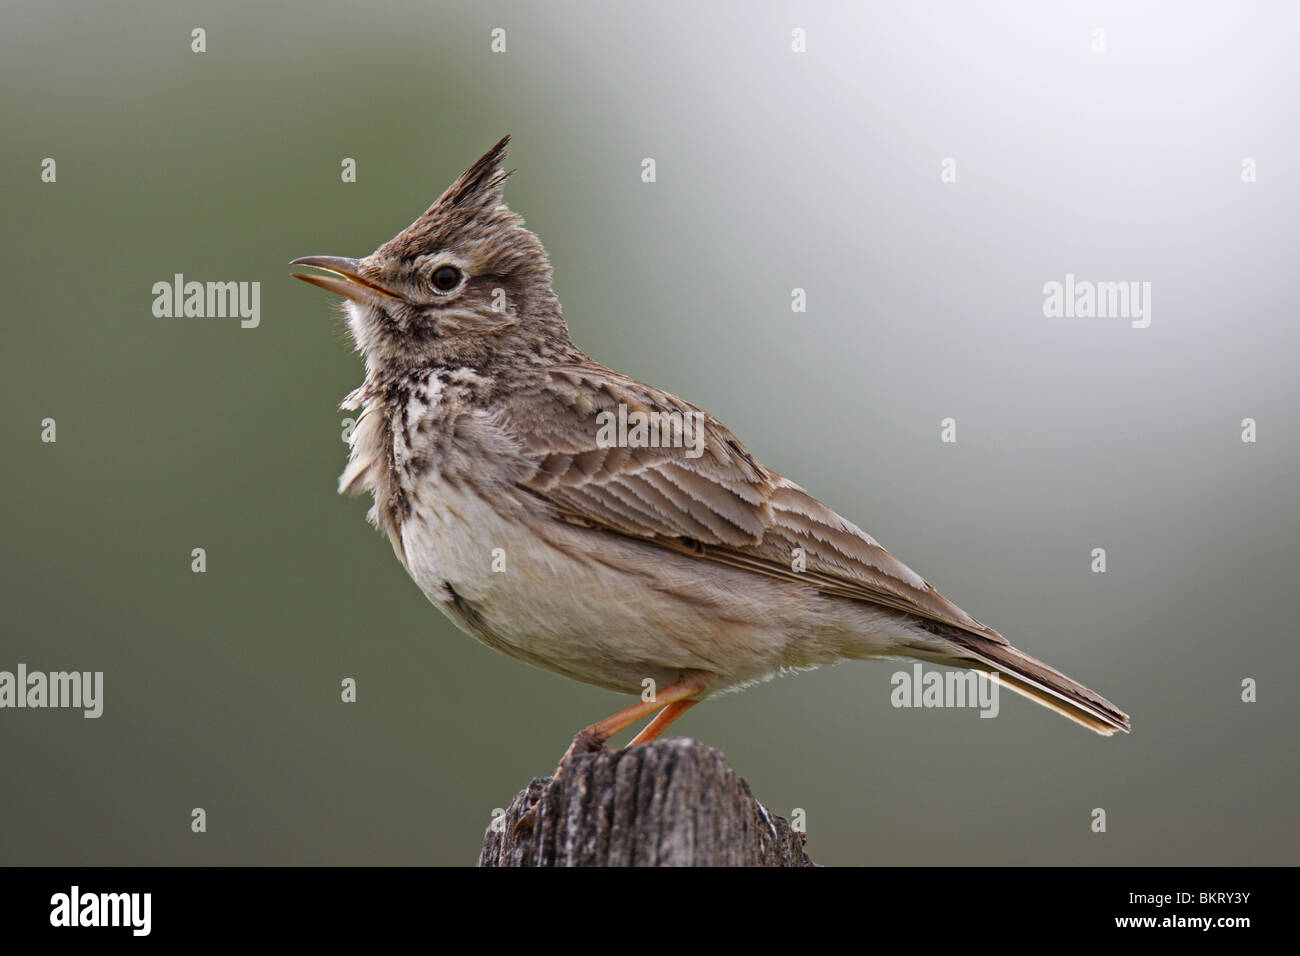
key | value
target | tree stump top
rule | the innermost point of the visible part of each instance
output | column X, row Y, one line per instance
column 673, row 802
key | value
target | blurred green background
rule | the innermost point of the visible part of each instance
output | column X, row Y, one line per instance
column 775, row 170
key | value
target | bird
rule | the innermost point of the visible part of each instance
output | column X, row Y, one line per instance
column 523, row 490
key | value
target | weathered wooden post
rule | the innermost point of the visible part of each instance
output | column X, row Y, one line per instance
column 673, row 802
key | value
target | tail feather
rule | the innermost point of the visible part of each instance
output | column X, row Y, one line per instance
column 1037, row 681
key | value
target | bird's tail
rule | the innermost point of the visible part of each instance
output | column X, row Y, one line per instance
column 1034, row 679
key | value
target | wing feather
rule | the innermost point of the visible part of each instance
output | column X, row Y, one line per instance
column 721, row 506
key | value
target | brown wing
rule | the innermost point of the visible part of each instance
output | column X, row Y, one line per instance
column 722, row 506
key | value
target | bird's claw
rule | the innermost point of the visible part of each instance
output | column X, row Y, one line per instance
column 528, row 820
column 586, row 741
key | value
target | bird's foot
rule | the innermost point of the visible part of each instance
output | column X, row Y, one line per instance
column 528, row 821
column 587, row 741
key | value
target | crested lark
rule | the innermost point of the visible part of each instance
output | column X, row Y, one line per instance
column 483, row 427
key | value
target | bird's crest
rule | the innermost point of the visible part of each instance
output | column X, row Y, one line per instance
column 481, row 184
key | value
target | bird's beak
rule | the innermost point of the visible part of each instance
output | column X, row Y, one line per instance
column 346, row 280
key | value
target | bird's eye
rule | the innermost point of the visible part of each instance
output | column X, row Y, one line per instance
column 446, row 278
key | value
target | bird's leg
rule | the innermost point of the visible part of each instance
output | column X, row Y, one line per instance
column 671, row 702
column 656, row 727
column 591, row 739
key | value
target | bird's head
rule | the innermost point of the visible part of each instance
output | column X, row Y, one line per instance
column 464, row 282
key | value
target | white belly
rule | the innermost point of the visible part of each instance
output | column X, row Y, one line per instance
column 612, row 611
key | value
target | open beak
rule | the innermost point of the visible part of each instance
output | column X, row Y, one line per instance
column 346, row 280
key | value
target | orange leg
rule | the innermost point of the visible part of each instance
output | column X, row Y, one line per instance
column 593, row 738
column 656, row 727
column 671, row 702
